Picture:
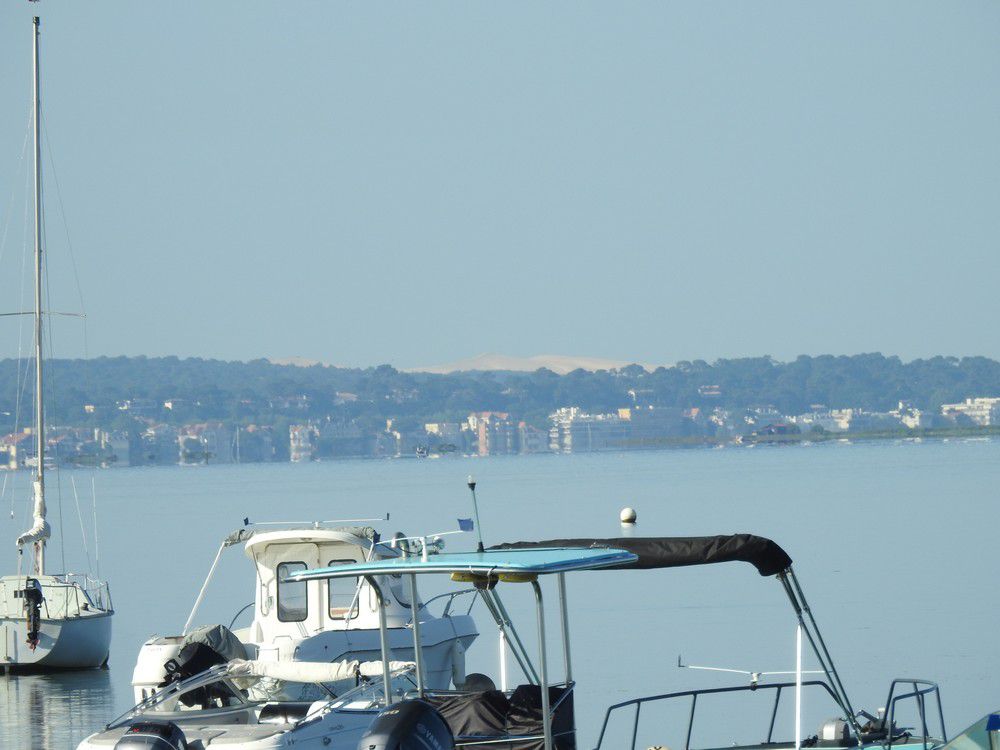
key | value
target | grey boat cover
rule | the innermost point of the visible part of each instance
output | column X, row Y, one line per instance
column 679, row 551
column 220, row 639
column 508, row 722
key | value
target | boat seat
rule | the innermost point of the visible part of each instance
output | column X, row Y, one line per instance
column 287, row 712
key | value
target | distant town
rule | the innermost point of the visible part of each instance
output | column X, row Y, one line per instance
column 570, row 429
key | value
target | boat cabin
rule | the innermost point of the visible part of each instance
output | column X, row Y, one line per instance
column 315, row 621
column 287, row 611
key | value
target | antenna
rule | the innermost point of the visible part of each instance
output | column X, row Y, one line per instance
column 755, row 677
column 471, row 482
column 313, row 524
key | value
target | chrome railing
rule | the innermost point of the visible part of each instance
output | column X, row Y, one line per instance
column 89, row 593
column 920, row 691
column 885, row 733
column 638, row 703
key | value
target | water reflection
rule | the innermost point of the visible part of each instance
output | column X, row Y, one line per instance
column 53, row 710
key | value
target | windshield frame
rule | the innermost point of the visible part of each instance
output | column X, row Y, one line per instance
column 218, row 673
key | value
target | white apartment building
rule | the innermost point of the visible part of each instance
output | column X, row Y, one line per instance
column 981, row 411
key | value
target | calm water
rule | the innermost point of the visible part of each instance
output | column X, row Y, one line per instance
column 895, row 544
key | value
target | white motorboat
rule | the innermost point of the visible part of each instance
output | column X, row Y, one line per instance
column 316, row 621
column 61, row 620
column 539, row 714
column 401, row 711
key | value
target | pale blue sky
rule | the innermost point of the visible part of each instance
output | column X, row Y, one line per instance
column 417, row 183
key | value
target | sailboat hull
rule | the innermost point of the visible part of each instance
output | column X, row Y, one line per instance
column 70, row 643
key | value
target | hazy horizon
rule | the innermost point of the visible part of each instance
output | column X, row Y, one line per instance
column 418, row 185
column 556, row 363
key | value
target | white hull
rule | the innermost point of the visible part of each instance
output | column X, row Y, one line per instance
column 70, row 643
column 333, row 731
column 444, row 639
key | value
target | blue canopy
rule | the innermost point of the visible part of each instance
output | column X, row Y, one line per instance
column 491, row 562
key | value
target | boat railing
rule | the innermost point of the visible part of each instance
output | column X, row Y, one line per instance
column 88, row 593
column 919, row 691
column 694, row 695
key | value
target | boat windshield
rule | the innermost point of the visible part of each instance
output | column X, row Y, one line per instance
column 217, row 691
column 370, row 694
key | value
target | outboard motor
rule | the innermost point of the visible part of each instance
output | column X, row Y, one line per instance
column 410, row 725
column 32, row 595
column 193, row 659
column 152, row 735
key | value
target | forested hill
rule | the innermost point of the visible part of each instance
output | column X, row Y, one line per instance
column 264, row 392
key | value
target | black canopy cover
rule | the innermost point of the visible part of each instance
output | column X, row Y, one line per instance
column 678, row 551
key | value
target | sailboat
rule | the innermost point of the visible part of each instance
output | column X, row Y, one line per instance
column 48, row 621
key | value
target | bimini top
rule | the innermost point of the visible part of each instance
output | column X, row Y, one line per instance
column 678, row 551
column 510, row 561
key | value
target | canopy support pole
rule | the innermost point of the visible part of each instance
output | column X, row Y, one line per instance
column 383, row 636
column 502, row 640
column 564, row 617
column 794, row 592
column 417, row 643
column 798, row 687
column 204, row 587
column 543, row 663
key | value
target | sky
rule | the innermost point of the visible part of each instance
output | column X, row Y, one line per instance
column 365, row 183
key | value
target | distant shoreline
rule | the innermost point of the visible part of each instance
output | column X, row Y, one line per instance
column 643, row 446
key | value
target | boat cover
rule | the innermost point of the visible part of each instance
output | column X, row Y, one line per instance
column 311, row 671
column 40, row 529
column 679, row 551
column 513, row 723
column 220, row 639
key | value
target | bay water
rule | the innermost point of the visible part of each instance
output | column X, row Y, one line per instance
column 895, row 544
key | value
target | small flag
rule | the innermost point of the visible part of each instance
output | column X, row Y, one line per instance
column 465, row 524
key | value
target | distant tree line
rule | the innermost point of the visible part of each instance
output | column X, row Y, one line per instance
column 264, row 393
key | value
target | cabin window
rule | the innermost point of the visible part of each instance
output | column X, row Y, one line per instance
column 341, row 593
column 292, row 603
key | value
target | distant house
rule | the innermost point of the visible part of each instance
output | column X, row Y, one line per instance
column 911, row 417
column 15, row 448
column 576, row 431
column 300, row 442
column 494, row 432
column 206, row 442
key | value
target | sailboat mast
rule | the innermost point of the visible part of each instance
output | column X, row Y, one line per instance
column 39, row 410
